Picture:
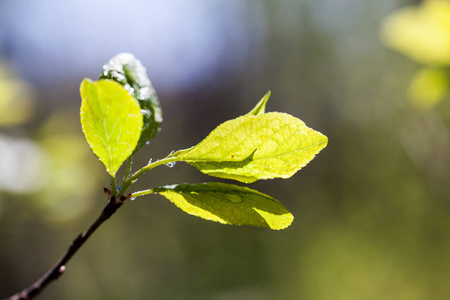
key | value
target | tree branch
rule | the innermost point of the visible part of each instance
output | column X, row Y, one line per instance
column 60, row 266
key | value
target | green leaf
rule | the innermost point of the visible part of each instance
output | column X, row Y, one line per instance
column 228, row 204
column 111, row 121
column 260, row 108
column 250, row 148
column 125, row 69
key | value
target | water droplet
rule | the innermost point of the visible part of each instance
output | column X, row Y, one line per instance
column 147, row 142
column 170, row 165
column 144, row 93
column 133, row 198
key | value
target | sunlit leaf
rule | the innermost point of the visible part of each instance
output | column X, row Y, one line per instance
column 251, row 147
column 127, row 70
column 228, row 204
column 111, row 121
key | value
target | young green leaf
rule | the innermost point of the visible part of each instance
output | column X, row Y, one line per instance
column 228, row 204
column 111, row 120
column 260, row 108
column 127, row 70
column 250, row 148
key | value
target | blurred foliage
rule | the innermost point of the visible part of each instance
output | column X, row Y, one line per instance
column 428, row 87
column 372, row 214
column 48, row 166
column 15, row 98
column 423, row 33
column 54, row 172
column 71, row 170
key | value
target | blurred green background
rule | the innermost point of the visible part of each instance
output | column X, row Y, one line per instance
column 372, row 211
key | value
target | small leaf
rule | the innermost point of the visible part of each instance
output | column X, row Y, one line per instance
column 125, row 69
column 251, row 147
column 111, row 121
column 260, row 108
column 228, row 204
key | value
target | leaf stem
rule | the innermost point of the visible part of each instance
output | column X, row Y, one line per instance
column 145, row 169
column 113, row 185
column 128, row 168
column 58, row 269
column 142, row 193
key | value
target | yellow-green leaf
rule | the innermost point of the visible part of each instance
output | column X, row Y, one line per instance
column 127, row 70
column 112, row 121
column 249, row 148
column 228, row 204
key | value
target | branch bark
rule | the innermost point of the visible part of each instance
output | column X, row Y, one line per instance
column 60, row 266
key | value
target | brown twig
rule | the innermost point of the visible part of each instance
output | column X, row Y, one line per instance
column 58, row 269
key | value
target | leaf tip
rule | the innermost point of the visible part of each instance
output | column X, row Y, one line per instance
column 260, row 108
column 276, row 221
column 83, row 86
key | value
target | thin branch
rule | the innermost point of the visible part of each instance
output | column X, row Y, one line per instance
column 58, row 269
